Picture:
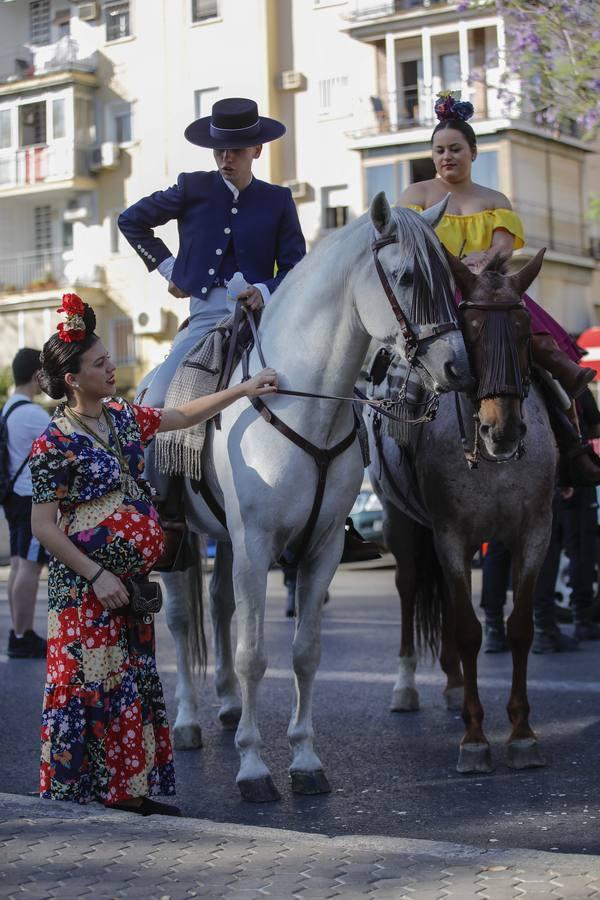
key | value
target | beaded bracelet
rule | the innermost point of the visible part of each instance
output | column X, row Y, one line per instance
column 97, row 575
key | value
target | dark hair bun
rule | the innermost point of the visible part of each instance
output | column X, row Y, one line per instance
column 89, row 317
column 449, row 106
column 53, row 385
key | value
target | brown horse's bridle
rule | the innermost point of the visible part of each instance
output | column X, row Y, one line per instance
column 426, row 332
column 474, row 455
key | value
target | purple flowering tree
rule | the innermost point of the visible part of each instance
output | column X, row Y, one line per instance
column 553, row 48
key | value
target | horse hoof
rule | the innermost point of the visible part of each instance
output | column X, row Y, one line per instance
column 475, row 759
column 405, row 700
column 310, row 782
column 230, row 719
column 524, row 754
column 258, row 790
column 454, row 698
column 187, row 737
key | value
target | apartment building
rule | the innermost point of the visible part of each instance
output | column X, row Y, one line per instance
column 94, row 97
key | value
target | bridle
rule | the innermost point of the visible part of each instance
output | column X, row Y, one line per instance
column 426, row 332
column 475, row 454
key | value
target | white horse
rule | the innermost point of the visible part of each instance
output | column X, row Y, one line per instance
column 315, row 333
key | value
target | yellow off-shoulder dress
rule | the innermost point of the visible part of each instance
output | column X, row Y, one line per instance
column 473, row 233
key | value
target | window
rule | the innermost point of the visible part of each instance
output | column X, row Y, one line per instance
column 122, row 341
column 118, row 19
column 334, row 97
column 62, row 20
column 203, row 101
column 335, row 216
column 32, row 124
column 334, row 205
column 58, row 119
column 383, row 178
column 485, row 169
column 202, row 10
column 85, row 122
column 67, row 235
column 5, row 129
column 122, row 124
column 450, row 71
column 42, row 227
column 408, row 99
column 39, row 21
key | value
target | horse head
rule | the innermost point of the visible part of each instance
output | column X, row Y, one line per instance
column 410, row 305
column 496, row 327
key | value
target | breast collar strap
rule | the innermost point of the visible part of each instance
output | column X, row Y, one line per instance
column 426, row 332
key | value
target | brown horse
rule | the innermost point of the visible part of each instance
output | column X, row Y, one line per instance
column 444, row 494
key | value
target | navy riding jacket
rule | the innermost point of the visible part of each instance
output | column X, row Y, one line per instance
column 253, row 234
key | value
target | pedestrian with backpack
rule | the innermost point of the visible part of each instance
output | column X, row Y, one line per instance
column 21, row 422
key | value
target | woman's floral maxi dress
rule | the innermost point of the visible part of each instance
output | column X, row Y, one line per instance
column 105, row 734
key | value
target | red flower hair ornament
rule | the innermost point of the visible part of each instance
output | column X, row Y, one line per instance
column 73, row 329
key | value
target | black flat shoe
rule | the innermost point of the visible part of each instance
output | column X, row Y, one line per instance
column 147, row 808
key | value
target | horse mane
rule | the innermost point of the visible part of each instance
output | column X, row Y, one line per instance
column 498, row 263
column 433, row 297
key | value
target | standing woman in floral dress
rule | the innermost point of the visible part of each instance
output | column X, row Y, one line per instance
column 105, row 734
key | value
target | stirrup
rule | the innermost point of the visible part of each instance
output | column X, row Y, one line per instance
column 356, row 548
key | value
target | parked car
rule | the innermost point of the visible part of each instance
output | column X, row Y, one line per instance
column 367, row 514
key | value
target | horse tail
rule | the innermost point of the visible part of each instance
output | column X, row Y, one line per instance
column 429, row 593
column 196, row 636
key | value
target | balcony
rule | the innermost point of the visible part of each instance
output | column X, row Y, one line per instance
column 362, row 12
column 43, row 271
column 42, row 167
column 28, row 62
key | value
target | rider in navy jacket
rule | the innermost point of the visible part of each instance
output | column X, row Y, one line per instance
column 218, row 234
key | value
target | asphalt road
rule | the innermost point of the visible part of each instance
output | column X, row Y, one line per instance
column 391, row 774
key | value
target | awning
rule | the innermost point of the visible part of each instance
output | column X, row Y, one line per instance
column 590, row 341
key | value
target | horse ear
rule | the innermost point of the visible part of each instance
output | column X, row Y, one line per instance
column 463, row 277
column 381, row 215
column 525, row 276
column 433, row 216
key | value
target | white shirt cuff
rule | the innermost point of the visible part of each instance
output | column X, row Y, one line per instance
column 166, row 267
column 266, row 293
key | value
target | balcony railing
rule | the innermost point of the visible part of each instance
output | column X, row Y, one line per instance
column 35, row 271
column 364, row 10
column 396, row 112
column 26, row 62
column 41, row 164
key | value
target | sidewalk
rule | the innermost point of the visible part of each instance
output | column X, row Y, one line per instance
column 51, row 849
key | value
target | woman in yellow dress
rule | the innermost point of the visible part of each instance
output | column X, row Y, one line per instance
column 479, row 224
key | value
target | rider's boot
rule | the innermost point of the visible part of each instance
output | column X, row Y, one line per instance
column 547, row 354
column 578, row 464
column 494, row 632
column 172, row 519
column 356, row 548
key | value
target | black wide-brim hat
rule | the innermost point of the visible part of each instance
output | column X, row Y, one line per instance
column 233, row 124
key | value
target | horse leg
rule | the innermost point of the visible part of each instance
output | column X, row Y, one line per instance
column 450, row 659
column 398, row 534
column 314, row 576
column 180, row 590
column 250, row 586
column 475, row 755
column 523, row 748
column 222, row 607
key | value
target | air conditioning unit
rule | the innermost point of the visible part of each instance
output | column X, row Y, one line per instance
column 299, row 189
column 104, row 156
column 291, row 81
column 151, row 321
column 89, row 12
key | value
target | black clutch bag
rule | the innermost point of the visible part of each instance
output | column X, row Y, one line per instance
column 145, row 597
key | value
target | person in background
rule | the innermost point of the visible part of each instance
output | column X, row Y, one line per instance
column 25, row 421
